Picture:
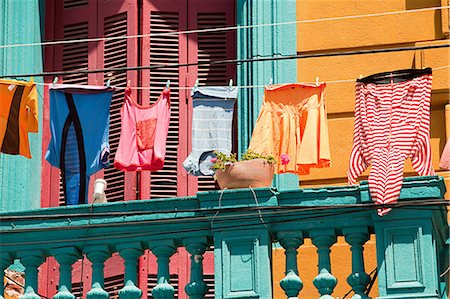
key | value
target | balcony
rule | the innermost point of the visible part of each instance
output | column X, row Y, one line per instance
column 242, row 226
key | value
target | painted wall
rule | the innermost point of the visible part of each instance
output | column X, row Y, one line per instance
column 20, row 177
column 399, row 30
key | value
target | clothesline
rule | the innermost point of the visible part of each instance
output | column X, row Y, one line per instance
column 228, row 61
column 243, row 86
column 221, row 29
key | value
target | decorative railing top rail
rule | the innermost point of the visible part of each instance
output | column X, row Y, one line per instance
column 242, row 223
column 182, row 217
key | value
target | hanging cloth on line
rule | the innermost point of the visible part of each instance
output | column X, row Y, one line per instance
column 293, row 122
column 79, row 145
column 143, row 135
column 392, row 123
column 212, row 121
column 18, row 116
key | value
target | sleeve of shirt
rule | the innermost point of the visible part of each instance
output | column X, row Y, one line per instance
column 32, row 105
column 357, row 163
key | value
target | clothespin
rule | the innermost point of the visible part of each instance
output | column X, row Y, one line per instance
column 360, row 76
column 167, row 84
column 129, row 83
column 55, row 80
column 31, row 79
column 108, row 83
column 317, row 80
column 196, row 84
column 230, row 83
column 271, row 81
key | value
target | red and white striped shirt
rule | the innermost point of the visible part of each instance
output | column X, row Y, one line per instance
column 392, row 123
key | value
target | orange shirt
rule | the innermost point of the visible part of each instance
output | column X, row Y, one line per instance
column 293, row 121
column 18, row 116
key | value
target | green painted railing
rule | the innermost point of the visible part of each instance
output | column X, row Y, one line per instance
column 242, row 225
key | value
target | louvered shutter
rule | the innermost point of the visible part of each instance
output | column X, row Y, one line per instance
column 213, row 46
column 166, row 17
column 115, row 19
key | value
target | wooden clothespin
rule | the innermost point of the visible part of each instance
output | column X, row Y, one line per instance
column 108, row 83
column 167, row 84
column 317, row 81
column 55, row 80
column 360, row 76
column 31, row 79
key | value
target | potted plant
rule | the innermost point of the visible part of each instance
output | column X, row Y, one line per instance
column 253, row 170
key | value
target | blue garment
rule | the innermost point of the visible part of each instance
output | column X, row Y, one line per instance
column 79, row 145
column 212, row 121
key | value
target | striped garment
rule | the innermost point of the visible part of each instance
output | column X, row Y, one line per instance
column 392, row 123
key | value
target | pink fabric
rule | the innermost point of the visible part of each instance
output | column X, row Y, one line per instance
column 143, row 135
column 445, row 158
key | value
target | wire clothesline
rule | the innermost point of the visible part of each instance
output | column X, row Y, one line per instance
column 227, row 61
column 220, row 29
column 242, row 86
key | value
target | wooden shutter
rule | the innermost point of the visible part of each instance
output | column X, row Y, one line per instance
column 68, row 4
column 113, row 284
column 212, row 46
column 152, row 281
column 166, row 17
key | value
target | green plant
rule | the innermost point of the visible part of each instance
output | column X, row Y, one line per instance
column 222, row 159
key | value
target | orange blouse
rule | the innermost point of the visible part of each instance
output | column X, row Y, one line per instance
column 293, row 121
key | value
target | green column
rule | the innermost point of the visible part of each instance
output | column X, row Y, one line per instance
column 264, row 42
column 21, row 23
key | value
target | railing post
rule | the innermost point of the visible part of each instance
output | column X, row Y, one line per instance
column 324, row 281
column 5, row 262
column 163, row 250
column 65, row 256
column 358, row 280
column 196, row 288
column 291, row 283
column 31, row 259
column 130, row 252
column 408, row 242
column 97, row 254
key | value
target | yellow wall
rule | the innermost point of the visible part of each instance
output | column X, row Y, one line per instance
column 377, row 32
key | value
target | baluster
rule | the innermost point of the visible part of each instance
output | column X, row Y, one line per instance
column 65, row 256
column 359, row 279
column 291, row 283
column 97, row 254
column 5, row 262
column 130, row 252
column 196, row 288
column 163, row 250
column 31, row 259
column 324, row 281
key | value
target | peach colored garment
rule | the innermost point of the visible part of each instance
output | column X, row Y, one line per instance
column 143, row 135
column 293, row 121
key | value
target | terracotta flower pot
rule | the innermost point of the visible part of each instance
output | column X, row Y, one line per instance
column 254, row 173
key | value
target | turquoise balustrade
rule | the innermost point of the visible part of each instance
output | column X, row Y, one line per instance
column 242, row 225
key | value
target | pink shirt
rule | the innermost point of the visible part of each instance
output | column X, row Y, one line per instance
column 143, row 135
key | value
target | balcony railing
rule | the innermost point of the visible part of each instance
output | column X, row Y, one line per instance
column 242, row 226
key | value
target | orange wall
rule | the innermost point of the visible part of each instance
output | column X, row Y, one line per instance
column 376, row 32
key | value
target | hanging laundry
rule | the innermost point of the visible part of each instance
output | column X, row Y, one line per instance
column 392, row 123
column 293, row 124
column 444, row 163
column 212, row 120
column 79, row 126
column 18, row 116
column 143, row 135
